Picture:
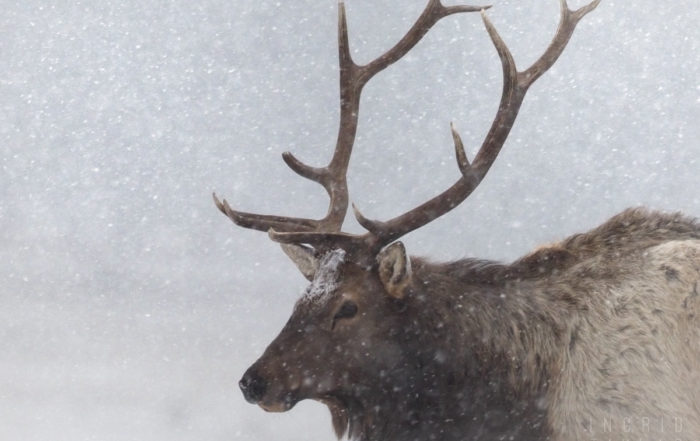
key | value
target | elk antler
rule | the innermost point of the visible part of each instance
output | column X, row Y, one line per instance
column 352, row 79
column 325, row 234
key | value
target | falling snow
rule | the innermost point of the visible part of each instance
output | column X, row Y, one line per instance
column 131, row 306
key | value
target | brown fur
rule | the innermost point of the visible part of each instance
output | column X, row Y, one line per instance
column 595, row 337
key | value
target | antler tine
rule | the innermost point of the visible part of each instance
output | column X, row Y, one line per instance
column 462, row 162
column 567, row 23
column 315, row 174
column 263, row 222
column 515, row 86
column 433, row 12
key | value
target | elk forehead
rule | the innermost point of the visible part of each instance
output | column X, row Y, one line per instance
column 326, row 277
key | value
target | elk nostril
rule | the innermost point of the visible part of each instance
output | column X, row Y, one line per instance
column 253, row 387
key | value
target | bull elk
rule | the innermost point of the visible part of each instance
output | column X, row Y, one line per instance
column 594, row 337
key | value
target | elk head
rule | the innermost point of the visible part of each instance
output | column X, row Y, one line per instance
column 344, row 329
column 346, row 334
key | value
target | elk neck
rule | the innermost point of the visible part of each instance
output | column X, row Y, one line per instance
column 484, row 344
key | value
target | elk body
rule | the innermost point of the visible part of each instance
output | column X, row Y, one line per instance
column 593, row 338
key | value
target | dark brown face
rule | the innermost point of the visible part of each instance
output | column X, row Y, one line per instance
column 339, row 340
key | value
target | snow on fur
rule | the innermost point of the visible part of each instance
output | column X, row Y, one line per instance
column 326, row 277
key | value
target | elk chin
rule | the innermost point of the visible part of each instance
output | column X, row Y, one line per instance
column 288, row 401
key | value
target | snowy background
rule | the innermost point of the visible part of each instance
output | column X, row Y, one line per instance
column 130, row 307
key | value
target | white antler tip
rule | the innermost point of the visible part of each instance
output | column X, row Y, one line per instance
column 356, row 211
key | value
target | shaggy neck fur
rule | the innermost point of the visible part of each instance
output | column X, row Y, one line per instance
column 500, row 334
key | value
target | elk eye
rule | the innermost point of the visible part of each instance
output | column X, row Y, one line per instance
column 347, row 310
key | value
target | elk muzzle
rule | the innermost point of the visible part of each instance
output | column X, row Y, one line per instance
column 267, row 392
column 253, row 386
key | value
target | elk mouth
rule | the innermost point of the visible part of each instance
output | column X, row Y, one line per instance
column 289, row 400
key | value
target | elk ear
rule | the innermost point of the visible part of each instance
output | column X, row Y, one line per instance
column 394, row 269
column 303, row 257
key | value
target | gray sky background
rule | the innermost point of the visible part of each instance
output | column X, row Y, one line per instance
column 130, row 307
